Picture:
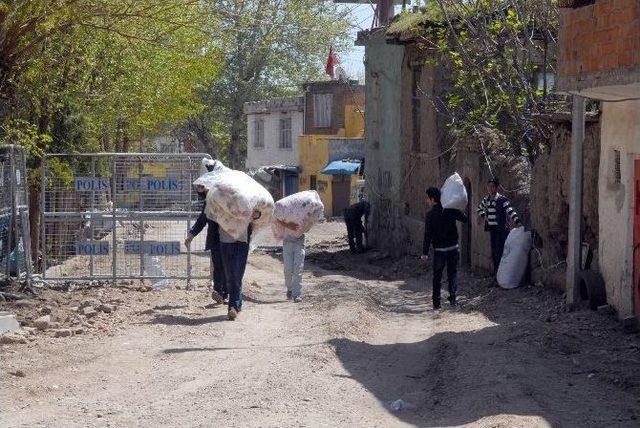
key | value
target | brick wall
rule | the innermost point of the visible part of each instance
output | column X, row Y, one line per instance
column 599, row 45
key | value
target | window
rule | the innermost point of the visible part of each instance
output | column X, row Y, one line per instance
column 285, row 133
column 313, row 182
column 322, row 110
column 416, row 110
column 258, row 137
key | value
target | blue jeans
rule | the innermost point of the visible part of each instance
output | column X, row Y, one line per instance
column 217, row 269
column 448, row 259
column 234, row 259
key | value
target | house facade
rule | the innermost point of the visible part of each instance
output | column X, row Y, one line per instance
column 333, row 132
column 600, row 59
column 273, row 127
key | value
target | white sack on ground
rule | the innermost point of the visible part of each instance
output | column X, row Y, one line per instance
column 454, row 194
column 232, row 198
column 514, row 258
column 303, row 208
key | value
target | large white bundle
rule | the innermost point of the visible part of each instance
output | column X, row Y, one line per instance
column 454, row 194
column 232, row 198
column 514, row 258
column 303, row 208
column 207, row 179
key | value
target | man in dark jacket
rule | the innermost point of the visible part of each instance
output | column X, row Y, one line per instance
column 441, row 232
column 353, row 219
column 219, row 293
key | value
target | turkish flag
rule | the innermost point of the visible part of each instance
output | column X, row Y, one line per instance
column 332, row 60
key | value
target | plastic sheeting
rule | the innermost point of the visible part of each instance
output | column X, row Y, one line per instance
column 454, row 193
column 232, row 199
column 514, row 258
column 303, row 208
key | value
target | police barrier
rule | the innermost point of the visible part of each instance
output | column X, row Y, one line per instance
column 120, row 216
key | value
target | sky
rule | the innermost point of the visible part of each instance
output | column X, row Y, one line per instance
column 361, row 16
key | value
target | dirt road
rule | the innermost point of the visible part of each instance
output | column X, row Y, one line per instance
column 364, row 338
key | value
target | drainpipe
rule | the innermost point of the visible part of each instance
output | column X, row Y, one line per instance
column 575, row 201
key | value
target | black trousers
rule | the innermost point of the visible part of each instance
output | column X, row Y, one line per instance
column 217, row 269
column 442, row 259
column 498, row 238
column 355, row 229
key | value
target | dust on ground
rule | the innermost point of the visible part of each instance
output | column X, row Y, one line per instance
column 363, row 349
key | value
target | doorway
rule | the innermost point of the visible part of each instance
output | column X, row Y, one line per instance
column 465, row 254
column 341, row 193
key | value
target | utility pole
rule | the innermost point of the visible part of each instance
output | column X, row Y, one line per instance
column 384, row 8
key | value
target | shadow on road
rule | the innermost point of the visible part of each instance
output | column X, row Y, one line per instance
column 183, row 320
column 460, row 378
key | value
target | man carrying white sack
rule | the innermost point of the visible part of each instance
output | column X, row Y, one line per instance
column 294, row 216
column 212, row 243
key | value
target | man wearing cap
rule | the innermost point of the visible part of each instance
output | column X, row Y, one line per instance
column 219, row 293
column 496, row 211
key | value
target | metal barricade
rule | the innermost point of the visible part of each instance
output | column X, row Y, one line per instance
column 121, row 216
column 15, row 238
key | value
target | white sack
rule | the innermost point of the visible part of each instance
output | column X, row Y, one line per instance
column 232, row 198
column 208, row 178
column 514, row 258
column 454, row 194
column 303, row 208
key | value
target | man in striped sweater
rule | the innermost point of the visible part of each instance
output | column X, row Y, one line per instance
column 497, row 212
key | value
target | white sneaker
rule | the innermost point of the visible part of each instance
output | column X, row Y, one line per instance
column 297, row 299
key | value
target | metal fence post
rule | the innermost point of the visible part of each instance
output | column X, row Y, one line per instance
column 91, row 214
column 114, row 241
column 11, row 228
column 188, row 209
column 43, row 197
column 141, row 223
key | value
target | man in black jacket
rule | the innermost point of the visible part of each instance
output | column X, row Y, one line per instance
column 219, row 293
column 440, row 230
column 353, row 219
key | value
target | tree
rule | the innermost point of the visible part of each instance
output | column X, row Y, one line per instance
column 500, row 54
column 97, row 75
column 270, row 47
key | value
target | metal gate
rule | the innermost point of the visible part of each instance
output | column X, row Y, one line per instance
column 121, row 216
column 15, row 242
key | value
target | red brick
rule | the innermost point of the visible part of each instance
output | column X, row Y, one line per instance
column 604, row 7
column 625, row 59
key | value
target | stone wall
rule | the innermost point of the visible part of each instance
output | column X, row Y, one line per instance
column 549, row 199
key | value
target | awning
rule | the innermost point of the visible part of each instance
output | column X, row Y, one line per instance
column 341, row 167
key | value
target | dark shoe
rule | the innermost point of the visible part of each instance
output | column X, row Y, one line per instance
column 217, row 297
column 436, row 306
column 232, row 314
column 452, row 300
column 298, row 299
column 289, row 295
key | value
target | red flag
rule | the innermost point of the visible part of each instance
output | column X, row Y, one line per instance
column 332, row 60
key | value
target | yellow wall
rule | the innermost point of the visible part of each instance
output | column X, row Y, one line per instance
column 313, row 152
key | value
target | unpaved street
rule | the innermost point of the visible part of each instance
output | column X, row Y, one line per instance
column 364, row 337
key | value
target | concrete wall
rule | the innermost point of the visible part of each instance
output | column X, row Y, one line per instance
column 620, row 131
column 271, row 153
column 383, row 171
column 599, row 45
column 346, row 148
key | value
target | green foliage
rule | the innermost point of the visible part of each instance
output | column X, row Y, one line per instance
column 492, row 50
